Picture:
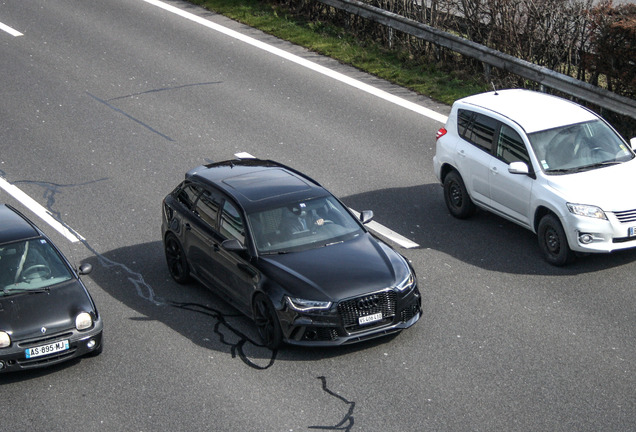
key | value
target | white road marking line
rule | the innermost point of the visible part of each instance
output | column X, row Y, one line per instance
column 40, row 211
column 9, row 30
column 303, row 62
column 373, row 226
column 388, row 233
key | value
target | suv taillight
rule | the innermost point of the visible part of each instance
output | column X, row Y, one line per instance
column 440, row 133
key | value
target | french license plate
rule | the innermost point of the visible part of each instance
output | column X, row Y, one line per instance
column 370, row 318
column 46, row 349
column 631, row 231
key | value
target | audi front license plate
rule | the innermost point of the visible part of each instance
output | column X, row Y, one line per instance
column 46, row 349
column 370, row 318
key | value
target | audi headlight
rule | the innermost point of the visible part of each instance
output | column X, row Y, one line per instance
column 303, row 305
column 586, row 210
column 5, row 339
column 408, row 282
column 83, row 321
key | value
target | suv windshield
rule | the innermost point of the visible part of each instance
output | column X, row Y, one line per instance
column 302, row 225
column 579, row 147
column 30, row 265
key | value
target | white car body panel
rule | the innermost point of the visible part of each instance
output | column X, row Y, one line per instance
column 517, row 197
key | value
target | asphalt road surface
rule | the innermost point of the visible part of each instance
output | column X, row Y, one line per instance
column 104, row 105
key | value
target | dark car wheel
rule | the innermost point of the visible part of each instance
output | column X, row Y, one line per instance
column 456, row 196
column 176, row 260
column 267, row 322
column 553, row 242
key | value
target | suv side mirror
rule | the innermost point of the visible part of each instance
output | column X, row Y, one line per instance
column 518, row 168
column 366, row 216
column 633, row 143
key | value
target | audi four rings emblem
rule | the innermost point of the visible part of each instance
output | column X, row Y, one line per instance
column 368, row 302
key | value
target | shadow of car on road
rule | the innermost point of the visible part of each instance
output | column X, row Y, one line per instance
column 485, row 240
column 138, row 277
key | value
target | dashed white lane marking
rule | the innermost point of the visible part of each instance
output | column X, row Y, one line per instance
column 388, row 233
column 303, row 62
column 40, row 211
column 373, row 226
column 9, row 30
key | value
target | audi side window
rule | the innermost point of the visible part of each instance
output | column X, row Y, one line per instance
column 208, row 208
column 188, row 194
column 232, row 223
column 510, row 146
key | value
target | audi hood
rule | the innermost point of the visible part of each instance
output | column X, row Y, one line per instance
column 338, row 271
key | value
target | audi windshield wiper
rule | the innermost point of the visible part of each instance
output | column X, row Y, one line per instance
column 283, row 252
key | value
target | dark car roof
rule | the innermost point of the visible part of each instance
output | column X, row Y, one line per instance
column 257, row 183
column 14, row 226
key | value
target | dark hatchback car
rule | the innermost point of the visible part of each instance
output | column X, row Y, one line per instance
column 288, row 254
column 46, row 314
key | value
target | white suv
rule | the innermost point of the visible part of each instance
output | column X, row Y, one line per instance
column 542, row 162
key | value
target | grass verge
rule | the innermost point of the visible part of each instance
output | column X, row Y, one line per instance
column 334, row 42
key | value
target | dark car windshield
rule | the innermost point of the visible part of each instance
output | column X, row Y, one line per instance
column 30, row 265
column 579, row 147
column 302, row 225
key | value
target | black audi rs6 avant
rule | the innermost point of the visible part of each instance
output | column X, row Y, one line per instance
column 285, row 252
column 46, row 314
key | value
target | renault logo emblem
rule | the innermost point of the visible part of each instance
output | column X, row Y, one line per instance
column 43, row 330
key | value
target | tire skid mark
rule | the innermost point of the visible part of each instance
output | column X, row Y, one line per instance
column 163, row 90
column 51, row 189
column 347, row 421
column 236, row 349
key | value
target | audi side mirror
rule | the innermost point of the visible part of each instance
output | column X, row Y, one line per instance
column 233, row 245
column 366, row 216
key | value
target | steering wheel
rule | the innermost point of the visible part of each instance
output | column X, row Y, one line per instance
column 38, row 270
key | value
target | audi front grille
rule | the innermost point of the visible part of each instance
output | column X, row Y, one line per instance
column 351, row 310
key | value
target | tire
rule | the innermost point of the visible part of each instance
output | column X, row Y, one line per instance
column 176, row 260
column 456, row 196
column 553, row 241
column 267, row 322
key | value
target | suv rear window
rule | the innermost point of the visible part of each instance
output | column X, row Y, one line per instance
column 477, row 128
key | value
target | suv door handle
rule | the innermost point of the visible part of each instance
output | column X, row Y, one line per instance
column 216, row 247
column 461, row 153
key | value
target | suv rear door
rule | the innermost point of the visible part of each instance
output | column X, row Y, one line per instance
column 474, row 152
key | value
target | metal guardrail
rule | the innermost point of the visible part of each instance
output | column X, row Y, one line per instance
column 539, row 74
